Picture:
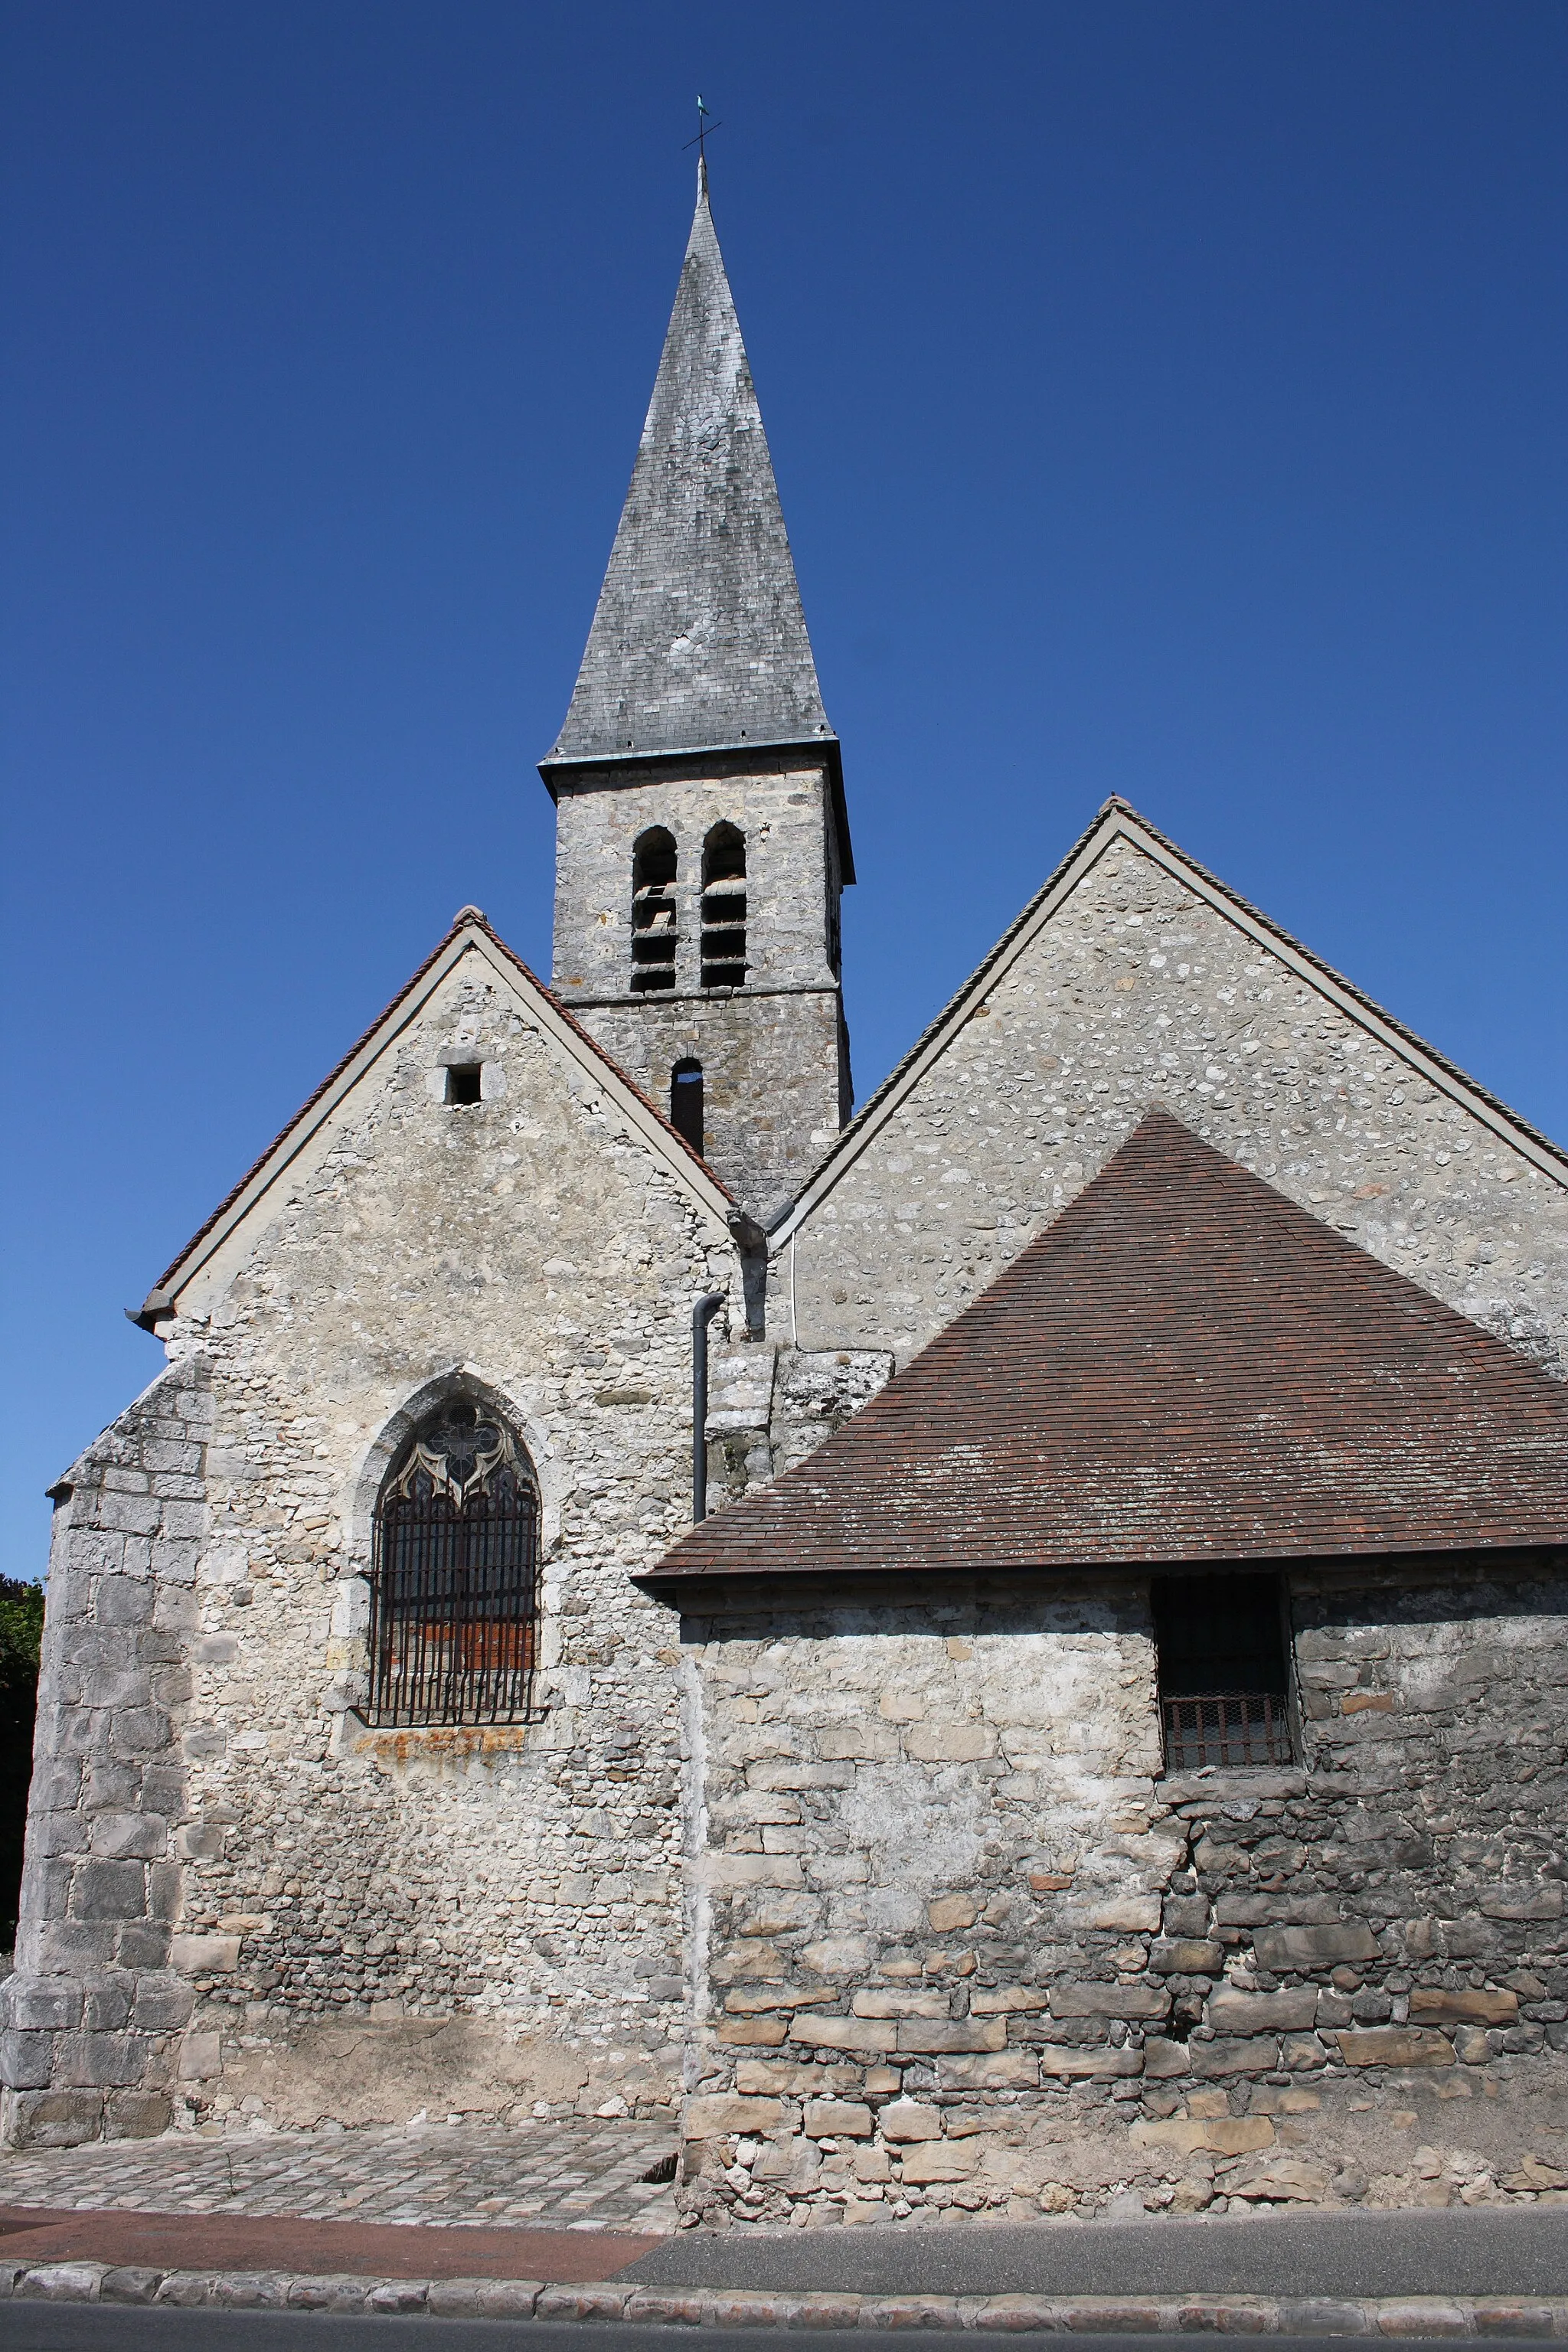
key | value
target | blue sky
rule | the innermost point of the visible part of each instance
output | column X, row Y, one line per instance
column 1166, row 401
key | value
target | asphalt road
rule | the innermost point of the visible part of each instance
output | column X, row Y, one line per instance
column 88, row 2327
column 1471, row 2250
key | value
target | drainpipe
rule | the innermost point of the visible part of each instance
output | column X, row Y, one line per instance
column 703, row 1314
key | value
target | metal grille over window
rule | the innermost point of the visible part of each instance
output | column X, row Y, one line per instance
column 1230, row 1727
column 1224, row 1670
column 655, row 931
column 724, row 908
column 454, row 1592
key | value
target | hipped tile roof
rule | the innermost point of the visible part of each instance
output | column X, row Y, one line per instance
column 1184, row 1366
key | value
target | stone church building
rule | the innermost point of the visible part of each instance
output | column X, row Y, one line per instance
column 993, row 1655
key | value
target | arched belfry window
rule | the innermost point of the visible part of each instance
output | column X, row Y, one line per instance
column 454, row 1587
column 724, row 908
column 654, row 927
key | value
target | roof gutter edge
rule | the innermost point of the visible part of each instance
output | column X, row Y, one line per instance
column 826, row 746
column 666, row 1583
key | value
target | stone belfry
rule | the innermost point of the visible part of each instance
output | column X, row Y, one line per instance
column 702, row 837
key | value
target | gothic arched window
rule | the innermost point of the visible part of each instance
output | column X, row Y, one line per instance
column 654, row 926
column 724, row 908
column 454, row 1587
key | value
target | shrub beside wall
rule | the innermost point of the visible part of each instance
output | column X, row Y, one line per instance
column 21, row 1630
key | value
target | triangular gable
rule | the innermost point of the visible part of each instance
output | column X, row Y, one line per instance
column 1184, row 1366
column 469, row 934
column 1119, row 822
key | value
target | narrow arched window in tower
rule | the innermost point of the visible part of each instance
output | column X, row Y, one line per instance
column 685, row 1102
column 654, row 927
column 454, row 1584
column 724, row 908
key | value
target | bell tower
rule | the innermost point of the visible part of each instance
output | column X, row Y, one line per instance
column 702, row 834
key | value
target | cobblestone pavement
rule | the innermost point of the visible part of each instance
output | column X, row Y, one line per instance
column 568, row 2176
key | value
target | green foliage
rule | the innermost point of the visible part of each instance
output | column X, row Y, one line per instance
column 21, row 1631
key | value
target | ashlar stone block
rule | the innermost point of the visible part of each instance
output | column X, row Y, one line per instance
column 904, row 2120
column 1393, row 2046
column 931, row 2161
column 1124, row 2000
column 1305, row 1949
column 836, row 2119
column 845, row 2032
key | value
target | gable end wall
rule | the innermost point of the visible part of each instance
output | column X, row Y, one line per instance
column 369, row 1922
column 1137, row 991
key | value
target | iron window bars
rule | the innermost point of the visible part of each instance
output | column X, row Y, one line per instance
column 454, row 1591
column 1224, row 1668
column 1226, row 1728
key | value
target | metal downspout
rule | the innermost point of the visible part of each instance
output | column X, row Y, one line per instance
column 703, row 1314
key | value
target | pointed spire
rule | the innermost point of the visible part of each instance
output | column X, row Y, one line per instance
column 699, row 642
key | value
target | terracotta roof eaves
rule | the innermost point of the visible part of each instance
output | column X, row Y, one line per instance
column 679, row 1579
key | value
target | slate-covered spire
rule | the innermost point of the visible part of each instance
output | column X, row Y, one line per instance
column 699, row 642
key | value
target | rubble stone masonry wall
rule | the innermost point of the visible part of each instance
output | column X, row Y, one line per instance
column 968, row 1946
column 1137, row 991
column 365, row 1922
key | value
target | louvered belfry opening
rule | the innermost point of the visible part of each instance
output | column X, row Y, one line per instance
column 454, row 1585
column 724, row 908
column 655, row 929
column 1224, row 1681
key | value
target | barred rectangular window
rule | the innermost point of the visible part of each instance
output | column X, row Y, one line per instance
column 1224, row 1682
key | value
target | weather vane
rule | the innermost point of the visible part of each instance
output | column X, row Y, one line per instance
column 706, row 127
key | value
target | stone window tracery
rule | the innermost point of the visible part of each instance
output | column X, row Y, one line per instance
column 455, row 1580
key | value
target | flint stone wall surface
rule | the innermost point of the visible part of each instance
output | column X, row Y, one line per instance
column 1138, row 990
column 774, row 1055
column 967, row 1944
column 372, row 1922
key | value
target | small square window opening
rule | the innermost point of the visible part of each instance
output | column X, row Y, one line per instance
column 464, row 1083
column 1225, row 1679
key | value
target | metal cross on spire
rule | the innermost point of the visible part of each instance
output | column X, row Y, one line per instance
column 706, row 127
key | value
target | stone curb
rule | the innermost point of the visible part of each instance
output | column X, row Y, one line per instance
column 1083, row 2315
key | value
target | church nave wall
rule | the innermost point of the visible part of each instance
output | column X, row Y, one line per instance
column 971, row 1945
column 370, row 1921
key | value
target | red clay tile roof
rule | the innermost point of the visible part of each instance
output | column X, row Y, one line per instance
column 1184, row 1366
